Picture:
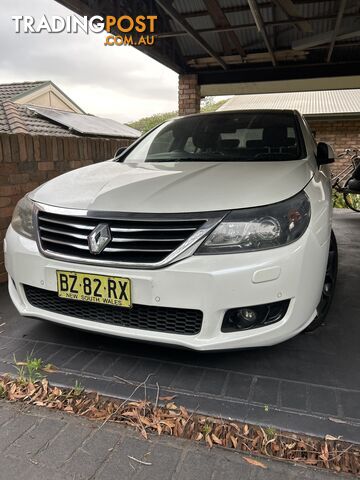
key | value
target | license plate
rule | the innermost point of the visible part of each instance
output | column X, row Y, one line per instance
column 88, row 287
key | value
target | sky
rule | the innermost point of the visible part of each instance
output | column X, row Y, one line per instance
column 114, row 82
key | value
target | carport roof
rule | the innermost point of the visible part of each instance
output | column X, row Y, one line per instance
column 246, row 41
column 322, row 103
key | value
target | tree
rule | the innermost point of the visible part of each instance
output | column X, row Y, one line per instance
column 145, row 124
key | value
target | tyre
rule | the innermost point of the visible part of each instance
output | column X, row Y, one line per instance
column 352, row 199
column 328, row 288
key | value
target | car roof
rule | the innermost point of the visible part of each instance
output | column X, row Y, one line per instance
column 259, row 111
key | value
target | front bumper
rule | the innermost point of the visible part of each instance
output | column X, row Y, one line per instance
column 212, row 284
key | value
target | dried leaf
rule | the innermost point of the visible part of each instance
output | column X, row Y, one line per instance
column 146, row 421
column 234, row 441
column 331, row 437
column 199, row 436
column 208, row 440
column 49, row 368
column 216, row 439
column 56, row 391
column 168, row 423
column 254, row 462
column 246, row 430
column 184, row 412
column 171, row 406
column 167, row 399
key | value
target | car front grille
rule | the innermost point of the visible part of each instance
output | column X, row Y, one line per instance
column 136, row 238
column 158, row 319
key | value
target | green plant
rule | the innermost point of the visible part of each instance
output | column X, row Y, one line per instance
column 270, row 432
column 78, row 389
column 206, row 429
column 338, row 200
column 29, row 371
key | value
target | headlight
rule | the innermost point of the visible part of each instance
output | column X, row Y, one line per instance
column 260, row 228
column 22, row 219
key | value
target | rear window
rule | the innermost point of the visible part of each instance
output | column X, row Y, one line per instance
column 236, row 136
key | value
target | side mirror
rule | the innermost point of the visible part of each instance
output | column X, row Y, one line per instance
column 325, row 154
column 119, row 152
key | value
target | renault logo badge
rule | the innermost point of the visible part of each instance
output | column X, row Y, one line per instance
column 99, row 238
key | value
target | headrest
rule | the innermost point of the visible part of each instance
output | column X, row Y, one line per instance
column 277, row 137
column 205, row 140
column 254, row 144
column 228, row 144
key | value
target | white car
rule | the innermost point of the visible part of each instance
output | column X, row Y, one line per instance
column 212, row 231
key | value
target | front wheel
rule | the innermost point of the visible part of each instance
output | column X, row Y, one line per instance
column 352, row 199
column 328, row 287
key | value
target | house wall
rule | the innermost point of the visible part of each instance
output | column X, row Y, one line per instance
column 27, row 161
column 340, row 134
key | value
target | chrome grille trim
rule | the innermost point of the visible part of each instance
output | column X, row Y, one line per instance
column 156, row 239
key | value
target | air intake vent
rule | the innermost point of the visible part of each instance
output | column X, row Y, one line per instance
column 158, row 319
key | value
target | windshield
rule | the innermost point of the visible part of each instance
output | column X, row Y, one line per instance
column 235, row 136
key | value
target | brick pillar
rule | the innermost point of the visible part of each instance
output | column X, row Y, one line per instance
column 189, row 94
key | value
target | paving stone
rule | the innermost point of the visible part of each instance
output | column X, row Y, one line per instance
column 81, row 359
column 196, row 467
column 212, row 382
column 45, row 351
column 166, row 374
column 351, row 404
column 293, row 395
column 36, row 438
column 323, row 400
column 87, row 459
column 7, row 350
column 225, row 469
column 27, row 349
column 119, row 465
column 187, row 378
column 144, row 368
column 101, row 363
column 6, row 414
column 238, row 386
column 122, row 367
column 63, row 355
column 15, row 428
column 22, row 468
column 266, row 391
column 83, row 451
column 163, row 460
column 64, row 444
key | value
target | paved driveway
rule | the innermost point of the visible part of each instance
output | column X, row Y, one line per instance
column 310, row 383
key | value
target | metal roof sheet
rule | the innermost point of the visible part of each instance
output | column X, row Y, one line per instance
column 326, row 102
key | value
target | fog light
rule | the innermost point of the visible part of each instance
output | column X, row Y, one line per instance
column 247, row 316
column 244, row 318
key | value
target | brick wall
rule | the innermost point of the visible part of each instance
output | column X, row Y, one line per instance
column 27, row 161
column 189, row 95
column 340, row 134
